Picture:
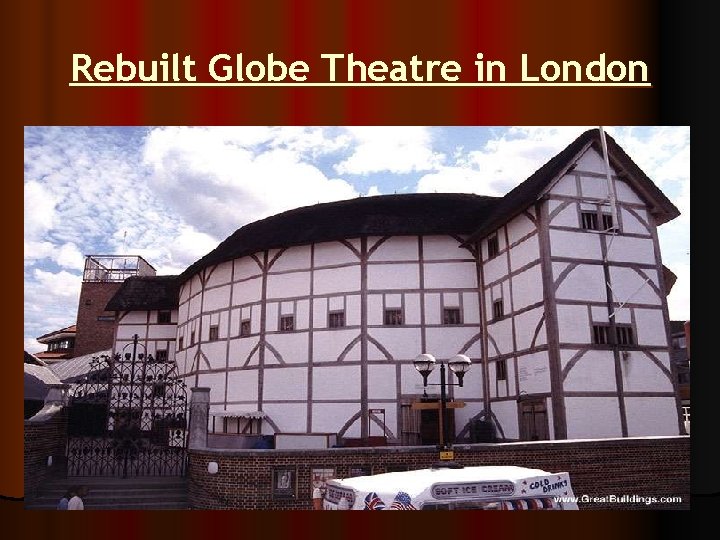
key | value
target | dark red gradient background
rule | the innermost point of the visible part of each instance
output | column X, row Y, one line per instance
column 39, row 38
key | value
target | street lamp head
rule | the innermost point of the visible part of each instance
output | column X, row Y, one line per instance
column 460, row 364
column 424, row 363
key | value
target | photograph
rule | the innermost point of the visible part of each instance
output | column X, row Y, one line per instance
column 329, row 299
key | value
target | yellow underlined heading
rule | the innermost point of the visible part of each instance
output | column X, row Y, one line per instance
column 361, row 85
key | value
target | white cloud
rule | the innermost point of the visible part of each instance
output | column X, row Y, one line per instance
column 457, row 180
column 372, row 191
column 33, row 346
column 394, row 149
column 39, row 209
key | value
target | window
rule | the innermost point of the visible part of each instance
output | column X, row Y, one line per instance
column 336, row 319
column 501, row 370
column 498, row 310
column 589, row 221
column 607, row 222
column 161, row 356
column 192, row 338
column 625, row 335
column 245, row 328
column 451, row 316
column 214, row 333
column 492, row 246
column 287, row 323
column 601, row 334
column 163, row 317
column 393, row 317
column 181, row 343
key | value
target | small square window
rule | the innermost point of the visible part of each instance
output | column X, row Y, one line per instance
column 607, row 223
column 161, row 356
column 498, row 309
column 393, row 317
column 163, row 317
column 501, row 370
column 493, row 246
column 625, row 335
column 245, row 328
column 600, row 334
column 181, row 344
column 589, row 221
column 336, row 319
column 214, row 333
column 192, row 338
column 287, row 323
column 451, row 316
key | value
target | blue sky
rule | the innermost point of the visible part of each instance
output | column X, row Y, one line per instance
column 171, row 194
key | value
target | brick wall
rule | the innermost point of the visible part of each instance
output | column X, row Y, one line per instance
column 654, row 467
column 93, row 335
column 43, row 439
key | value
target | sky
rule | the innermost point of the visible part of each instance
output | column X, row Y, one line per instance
column 171, row 194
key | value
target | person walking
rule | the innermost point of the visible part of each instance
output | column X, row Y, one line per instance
column 63, row 503
column 76, row 502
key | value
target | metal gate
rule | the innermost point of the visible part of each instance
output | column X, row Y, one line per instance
column 127, row 417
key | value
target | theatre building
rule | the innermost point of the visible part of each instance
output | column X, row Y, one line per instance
column 306, row 324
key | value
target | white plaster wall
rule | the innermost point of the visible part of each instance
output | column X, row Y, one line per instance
column 640, row 374
column 292, row 346
column 533, row 372
column 195, row 285
column 501, row 332
column 584, row 282
column 288, row 417
column 432, row 309
column 631, row 224
column 216, row 381
column 272, row 317
column 330, row 418
column 507, row 416
column 592, row 417
column 592, row 161
column 242, row 386
column 463, row 416
column 381, row 382
column 525, row 325
column 651, row 416
column 221, row 275
column 443, row 247
column 184, row 292
column 524, row 253
column 247, row 291
column 285, row 383
column 565, row 186
column 628, row 285
column 328, row 345
column 336, row 382
column 246, row 267
column 194, row 305
column 519, row 227
column 293, row 258
column 183, row 312
column 126, row 331
column 329, row 253
column 288, row 285
column 215, row 354
column 375, row 309
column 577, row 245
column 567, row 217
column 527, row 287
column 412, row 308
column 593, row 186
column 390, row 418
column 320, row 310
column 650, row 327
column 393, row 276
column 240, row 349
column 595, row 371
column 217, row 298
column 625, row 193
column 401, row 343
column 352, row 310
column 395, row 248
column 628, row 249
column 573, row 324
column 411, row 381
column 448, row 341
column 334, row 280
column 450, row 275
column 471, row 308
column 302, row 314
column 495, row 268
column 135, row 317
column 472, row 383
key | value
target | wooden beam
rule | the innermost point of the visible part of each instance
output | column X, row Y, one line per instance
column 436, row 405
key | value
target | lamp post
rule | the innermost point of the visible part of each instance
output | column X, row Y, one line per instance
column 459, row 365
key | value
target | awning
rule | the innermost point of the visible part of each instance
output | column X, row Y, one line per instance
column 238, row 414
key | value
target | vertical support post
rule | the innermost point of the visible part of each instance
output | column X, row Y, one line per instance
column 199, row 413
column 444, row 438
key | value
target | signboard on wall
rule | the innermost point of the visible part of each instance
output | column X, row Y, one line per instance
column 318, row 478
column 284, row 482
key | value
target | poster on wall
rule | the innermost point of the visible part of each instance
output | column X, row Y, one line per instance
column 358, row 470
column 318, row 477
column 284, row 483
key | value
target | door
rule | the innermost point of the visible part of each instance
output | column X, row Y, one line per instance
column 533, row 420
